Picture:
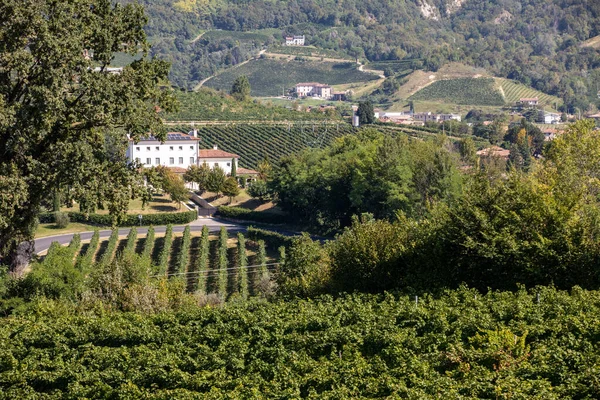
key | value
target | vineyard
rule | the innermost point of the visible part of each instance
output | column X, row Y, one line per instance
column 308, row 51
column 209, row 105
column 513, row 91
column 255, row 142
column 396, row 66
column 468, row 91
column 223, row 265
column 462, row 345
column 269, row 77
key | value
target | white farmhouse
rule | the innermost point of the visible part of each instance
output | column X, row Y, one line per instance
column 215, row 157
column 314, row 89
column 294, row 40
column 549, row 117
column 179, row 151
column 449, row 117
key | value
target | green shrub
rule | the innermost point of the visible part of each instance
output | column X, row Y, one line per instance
column 242, row 264
column 149, row 243
column 84, row 261
column 202, row 262
column 112, row 246
column 61, row 219
column 244, row 214
column 178, row 218
column 131, row 240
column 274, row 239
column 163, row 260
column 184, row 253
column 222, row 260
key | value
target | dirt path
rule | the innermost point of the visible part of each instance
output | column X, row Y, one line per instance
column 194, row 40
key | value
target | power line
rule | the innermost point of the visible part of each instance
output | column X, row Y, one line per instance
column 215, row 271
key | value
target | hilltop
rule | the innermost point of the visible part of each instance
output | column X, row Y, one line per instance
column 559, row 57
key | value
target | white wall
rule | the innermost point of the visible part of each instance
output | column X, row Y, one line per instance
column 186, row 150
column 224, row 163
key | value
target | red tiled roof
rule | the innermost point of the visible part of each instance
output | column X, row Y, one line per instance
column 178, row 170
column 212, row 153
column 528, row 99
column 246, row 171
column 170, row 136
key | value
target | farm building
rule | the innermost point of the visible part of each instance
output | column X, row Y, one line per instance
column 294, row 40
column 528, row 102
column 314, row 89
column 215, row 157
column 549, row 117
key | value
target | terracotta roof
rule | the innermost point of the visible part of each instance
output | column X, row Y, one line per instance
column 212, row 153
column 315, row 84
column 178, row 170
column 528, row 99
column 494, row 151
column 246, row 171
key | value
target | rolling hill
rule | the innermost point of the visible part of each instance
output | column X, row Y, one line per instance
column 270, row 77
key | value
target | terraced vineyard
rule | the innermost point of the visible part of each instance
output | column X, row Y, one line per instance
column 513, row 91
column 224, row 265
column 308, row 51
column 468, row 91
column 269, row 77
column 255, row 142
column 396, row 66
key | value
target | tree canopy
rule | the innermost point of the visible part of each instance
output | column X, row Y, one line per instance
column 63, row 116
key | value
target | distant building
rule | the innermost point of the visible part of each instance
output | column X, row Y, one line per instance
column 314, row 89
column 528, row 102
column 294, row 40
column 425, row 117
column 339, row 96
column 449, row 117
column 549, row 118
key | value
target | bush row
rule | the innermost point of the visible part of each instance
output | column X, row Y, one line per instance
column 249, row 215
column 273, row 239
column 129, row 219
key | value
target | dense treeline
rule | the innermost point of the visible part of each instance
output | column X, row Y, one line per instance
column 534, row 41
column 536, row 345
column 504, row 228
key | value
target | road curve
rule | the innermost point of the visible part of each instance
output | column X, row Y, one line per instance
column 43, row 244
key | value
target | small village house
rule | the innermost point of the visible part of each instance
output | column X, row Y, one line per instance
column 314, row 89
column 294, row 40
column 528, row 102
column 216, row 157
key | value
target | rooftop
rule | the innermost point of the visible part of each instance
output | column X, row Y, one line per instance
column 215, row 152
column 171, row 136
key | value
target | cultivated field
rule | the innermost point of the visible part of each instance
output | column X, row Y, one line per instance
column 209, row 263
column 472, row 91
column 513, row 91
column 269, row 77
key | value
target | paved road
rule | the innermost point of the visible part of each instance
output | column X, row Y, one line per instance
column 42, row 244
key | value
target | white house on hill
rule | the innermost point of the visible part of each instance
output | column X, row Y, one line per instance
column 294, row 40
column 180, row 150
column 314, row 89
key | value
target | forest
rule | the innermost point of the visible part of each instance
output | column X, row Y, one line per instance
column 498, row 36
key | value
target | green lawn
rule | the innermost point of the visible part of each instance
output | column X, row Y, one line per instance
column 51, row 229
column 160, row 204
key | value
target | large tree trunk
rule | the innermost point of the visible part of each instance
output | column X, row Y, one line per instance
column 20, row 257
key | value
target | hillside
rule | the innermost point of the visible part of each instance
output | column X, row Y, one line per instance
column 468, row 91
column 484, row 33
column 270, row 77
column 209, row 105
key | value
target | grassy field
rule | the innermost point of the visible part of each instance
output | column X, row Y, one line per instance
column 209, row 105
column 468, row 91
column 51, row 229
column 269, row 77
column 161, row 203
column 261, row 36
column 594, row 42
column 395, row 66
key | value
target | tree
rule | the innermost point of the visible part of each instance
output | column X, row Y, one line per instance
column 198, row 175
column 233, row 168
column 241, row 88
column 216, row 180
column 264, row 169
column 230, row 188
column 467, row 150
column 59, row 108
column 259, row 190
column 176, row 189
column 365, row 112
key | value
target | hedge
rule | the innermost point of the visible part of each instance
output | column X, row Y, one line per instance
column 248, row 215
column 129, row 220
column 274, row 239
